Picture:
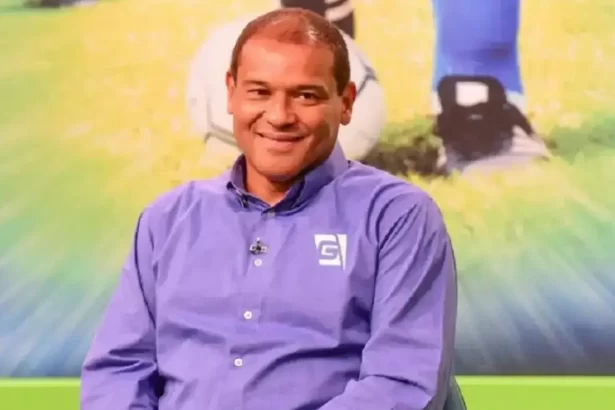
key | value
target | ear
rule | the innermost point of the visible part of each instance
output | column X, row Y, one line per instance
column 348, row 97
column 230, row 91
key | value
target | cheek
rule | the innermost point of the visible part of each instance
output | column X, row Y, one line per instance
column 328, row 125
column 243, row 118
column 320, row 120
column 245, row 113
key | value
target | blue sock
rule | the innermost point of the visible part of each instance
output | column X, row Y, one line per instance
column 478, row 37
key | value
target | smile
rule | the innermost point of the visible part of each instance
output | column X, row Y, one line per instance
column 281, row 137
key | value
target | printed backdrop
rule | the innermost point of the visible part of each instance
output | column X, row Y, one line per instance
column 94, row 125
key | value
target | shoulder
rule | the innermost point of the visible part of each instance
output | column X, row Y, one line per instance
column 381, row 185
column 169, row 207
column 387, row 199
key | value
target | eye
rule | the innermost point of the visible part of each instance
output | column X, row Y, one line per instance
column 308, row 97
column 258, row 92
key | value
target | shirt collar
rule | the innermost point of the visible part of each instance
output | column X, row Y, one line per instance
column 302, row 191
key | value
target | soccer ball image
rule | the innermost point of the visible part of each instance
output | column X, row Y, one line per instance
column 207, row 95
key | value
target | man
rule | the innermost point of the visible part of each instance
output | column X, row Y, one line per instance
column 297, row 280
column 478, row 94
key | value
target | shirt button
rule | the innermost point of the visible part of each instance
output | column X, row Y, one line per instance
column 238, row 362
column 247, row 315
column 270, row 214
column 258, row 262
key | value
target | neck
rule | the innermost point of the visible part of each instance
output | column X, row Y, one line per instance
column 271, row 192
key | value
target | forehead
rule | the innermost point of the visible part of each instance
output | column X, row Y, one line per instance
column 270, row 60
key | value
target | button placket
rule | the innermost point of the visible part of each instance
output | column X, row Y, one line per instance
column 251, row 290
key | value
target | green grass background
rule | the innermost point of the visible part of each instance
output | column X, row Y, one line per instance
column 101, row 90
column 499, row 393
column 93, row 125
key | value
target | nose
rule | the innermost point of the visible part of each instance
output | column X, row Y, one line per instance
column 279, row 112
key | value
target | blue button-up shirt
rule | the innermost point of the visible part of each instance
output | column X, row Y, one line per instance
column 340, row 297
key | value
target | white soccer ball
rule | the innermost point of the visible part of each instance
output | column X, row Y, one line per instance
column 207, row 97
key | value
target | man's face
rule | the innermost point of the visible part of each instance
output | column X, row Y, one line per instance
column 285, row 106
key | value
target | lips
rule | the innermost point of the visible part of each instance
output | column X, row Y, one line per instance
column 280, row 137
column 280, row 142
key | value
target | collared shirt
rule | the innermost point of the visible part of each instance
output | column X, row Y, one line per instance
column 340, row 297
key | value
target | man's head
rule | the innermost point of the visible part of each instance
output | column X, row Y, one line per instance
column 289, row 90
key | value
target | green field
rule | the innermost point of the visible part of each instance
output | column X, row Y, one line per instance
column 106, row 83
column 480, row 394
column 93, row 125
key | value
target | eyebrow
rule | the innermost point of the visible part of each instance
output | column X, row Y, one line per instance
column 255, row 82
column 301, row 87
column 313, row 87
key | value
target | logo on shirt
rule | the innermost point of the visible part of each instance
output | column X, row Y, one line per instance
column 331, row 249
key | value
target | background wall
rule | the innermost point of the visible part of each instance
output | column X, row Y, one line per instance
column 93, row 125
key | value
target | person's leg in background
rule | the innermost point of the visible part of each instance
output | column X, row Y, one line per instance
column 339, row 12
column 477, row 88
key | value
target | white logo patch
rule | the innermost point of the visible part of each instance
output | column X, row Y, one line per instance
column 331, row 249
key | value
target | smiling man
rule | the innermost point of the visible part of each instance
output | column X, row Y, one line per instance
column 289, row 92
column 298, row 280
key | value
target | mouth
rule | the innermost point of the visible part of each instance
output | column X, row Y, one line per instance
column 281, row 137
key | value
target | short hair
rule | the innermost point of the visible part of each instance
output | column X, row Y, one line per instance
column 297, row 26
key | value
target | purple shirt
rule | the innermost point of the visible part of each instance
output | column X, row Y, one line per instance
column 346, row 302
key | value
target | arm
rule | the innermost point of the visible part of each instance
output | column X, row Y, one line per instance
column 407, row 362
column 120, row 369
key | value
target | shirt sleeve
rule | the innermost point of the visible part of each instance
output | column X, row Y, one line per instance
column 406, row 364
column 120, row 370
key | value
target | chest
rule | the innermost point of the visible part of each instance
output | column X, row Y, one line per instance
column 287, row 270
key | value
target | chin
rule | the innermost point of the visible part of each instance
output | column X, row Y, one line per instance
column 279, row 171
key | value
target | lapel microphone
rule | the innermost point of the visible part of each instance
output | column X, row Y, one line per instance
column 258, row 248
